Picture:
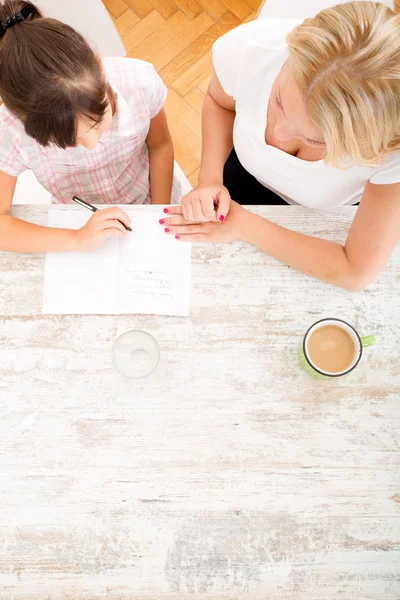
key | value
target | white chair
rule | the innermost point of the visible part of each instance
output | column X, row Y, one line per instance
column 29, row 191
column 300, row 9
column 92, row 20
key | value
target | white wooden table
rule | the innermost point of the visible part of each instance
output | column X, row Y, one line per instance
column 228, row 473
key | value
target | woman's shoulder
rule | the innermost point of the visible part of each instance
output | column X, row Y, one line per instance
column 389, row 171
column 242, row 56
column 262, row 33
column 130, row 74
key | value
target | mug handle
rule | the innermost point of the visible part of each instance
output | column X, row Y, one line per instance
column 368, row 340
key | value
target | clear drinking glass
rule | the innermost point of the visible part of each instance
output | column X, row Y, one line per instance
column 135, row 354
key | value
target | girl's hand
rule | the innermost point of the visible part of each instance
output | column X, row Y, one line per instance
column 206, row 202
column 188, row 231
column 101, row 226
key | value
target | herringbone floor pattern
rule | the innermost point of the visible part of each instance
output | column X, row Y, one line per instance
column 177, row 36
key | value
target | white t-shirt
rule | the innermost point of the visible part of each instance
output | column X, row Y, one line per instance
column 247, row 61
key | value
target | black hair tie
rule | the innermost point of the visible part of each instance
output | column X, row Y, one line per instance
column 13, row 20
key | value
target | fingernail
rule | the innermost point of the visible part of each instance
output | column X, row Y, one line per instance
column 177, row 237
column 166, row 230
column 222, row 218
column 165, row 210
column 161, row 221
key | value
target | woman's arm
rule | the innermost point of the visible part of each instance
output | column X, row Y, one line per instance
column 161, row 159
column 217, row 129
column 373, row 235
column 370, row 242
column 210, row 200
column 20, row 236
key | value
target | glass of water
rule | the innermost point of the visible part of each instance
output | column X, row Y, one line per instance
column 135, row 354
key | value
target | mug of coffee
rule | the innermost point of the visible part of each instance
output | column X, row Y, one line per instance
column 331, row 348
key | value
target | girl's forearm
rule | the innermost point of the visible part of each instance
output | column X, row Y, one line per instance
column 21, row 236
column 161, row 161
column 312, row 256
column 217, row 140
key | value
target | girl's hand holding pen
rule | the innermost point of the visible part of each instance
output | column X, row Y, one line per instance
column 104, row 224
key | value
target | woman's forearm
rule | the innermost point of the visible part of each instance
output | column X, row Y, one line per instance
column 217, row 140
column 312, row 256
column 21, row 236
column 161, row 159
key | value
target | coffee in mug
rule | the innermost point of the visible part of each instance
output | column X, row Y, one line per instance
column 331, row 348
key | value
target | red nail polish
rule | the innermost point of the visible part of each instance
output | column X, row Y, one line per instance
column 161, row 221
column 222, row 218
column 165, row 210
column 166, row 230
column 177, row 237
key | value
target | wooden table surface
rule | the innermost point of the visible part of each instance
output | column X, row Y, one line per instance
column 228, row 473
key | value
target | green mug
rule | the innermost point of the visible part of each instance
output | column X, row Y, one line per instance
column 359, row 342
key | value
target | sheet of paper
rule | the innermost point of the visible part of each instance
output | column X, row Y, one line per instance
column 147, row 272
column 153, row 270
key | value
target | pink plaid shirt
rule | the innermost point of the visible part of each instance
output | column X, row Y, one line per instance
column 117, row 170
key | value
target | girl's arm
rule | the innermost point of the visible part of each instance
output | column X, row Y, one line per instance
column 161, row 159
column 20, row 236
column 373, row 235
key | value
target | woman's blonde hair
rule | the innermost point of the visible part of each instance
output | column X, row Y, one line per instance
column 346, row 62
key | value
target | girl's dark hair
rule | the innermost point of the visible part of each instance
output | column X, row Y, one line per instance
column 49, row 76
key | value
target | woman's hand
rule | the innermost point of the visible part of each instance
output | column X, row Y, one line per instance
column 206, row 202
column 228, row 231
column 102, row 225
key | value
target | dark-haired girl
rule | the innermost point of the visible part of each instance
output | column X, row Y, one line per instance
column 84, row 125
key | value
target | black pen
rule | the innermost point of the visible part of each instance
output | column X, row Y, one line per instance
column 93, row 209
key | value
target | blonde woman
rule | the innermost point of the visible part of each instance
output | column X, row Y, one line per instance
column 313, row 114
